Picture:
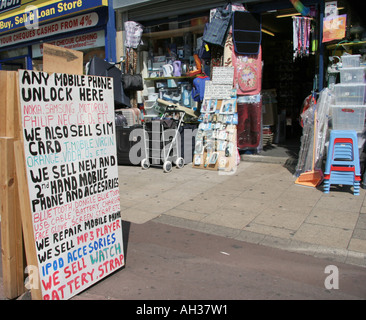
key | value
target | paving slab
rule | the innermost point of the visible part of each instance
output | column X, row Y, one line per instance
column 281, row 218
column 324, row 235
column 333, row 218
column 258, row 203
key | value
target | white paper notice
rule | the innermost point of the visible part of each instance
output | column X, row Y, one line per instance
column 218, row 91
column 223, row 75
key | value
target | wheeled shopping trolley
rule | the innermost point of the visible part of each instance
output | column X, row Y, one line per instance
column 162, row 140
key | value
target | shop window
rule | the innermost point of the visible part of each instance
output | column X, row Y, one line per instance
column 169, row 49
column 13, row 53
column 90, row 53
column 173, row 41
column 13, row 60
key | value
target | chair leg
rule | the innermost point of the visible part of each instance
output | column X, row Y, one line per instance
column 356, row 188
column 326, row 186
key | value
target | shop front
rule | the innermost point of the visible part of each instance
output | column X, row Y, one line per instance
column 279, row 75
column 86, row 26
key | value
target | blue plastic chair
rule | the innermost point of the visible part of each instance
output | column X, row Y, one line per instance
column 343, row 161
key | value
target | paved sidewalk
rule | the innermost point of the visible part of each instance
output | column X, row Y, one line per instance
column 258, row 204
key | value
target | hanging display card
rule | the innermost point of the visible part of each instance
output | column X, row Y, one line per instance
column 72, row 171
column 221, row 85
column 215, row 147
column 218, row 91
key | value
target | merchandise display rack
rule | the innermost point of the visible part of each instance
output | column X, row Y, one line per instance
column 216, row 139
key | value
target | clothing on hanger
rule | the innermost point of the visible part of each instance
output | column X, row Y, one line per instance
column 198, row 91
column 134, row 32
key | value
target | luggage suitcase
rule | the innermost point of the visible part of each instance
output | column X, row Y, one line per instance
column 126, row 138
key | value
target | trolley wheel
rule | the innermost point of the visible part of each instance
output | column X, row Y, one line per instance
column 167, row 166
column 145, row 164
column 179, row 163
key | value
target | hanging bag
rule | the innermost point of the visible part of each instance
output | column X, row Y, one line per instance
column 100, row 67
column 132, row 82
column 217, row 29
column 247, row 35
column 247, row 73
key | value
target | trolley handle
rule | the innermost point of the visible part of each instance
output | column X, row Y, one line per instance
column 171, row 109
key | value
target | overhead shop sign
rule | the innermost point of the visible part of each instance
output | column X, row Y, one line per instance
column 80, row 42
column 51, row 29
column 6, row 5
column 32, row 13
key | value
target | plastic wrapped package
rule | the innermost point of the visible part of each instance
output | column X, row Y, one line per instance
column 249, row 121
column 321, row 106
column 303, row 163
column 325, row 100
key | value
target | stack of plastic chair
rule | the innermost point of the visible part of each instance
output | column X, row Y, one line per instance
column 343, row 161
column 348, row 115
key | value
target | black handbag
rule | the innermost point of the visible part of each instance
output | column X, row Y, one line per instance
column 132, row 82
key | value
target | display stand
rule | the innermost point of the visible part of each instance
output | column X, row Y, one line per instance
column 59, row 183
column 216, row 145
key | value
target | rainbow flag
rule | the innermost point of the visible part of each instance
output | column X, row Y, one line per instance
column 300, row 7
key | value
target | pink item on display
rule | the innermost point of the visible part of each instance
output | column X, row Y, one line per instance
column 247, row 73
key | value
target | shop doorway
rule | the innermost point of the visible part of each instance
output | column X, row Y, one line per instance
column 290, row 79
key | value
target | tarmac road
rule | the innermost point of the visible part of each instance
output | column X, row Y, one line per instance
column 186, row 270
column 169, row 263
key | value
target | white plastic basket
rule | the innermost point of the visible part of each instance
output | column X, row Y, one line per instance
column 153, row 109
column 348, row 117
column 350, row 93
column 352, row 75
column 351, row 61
